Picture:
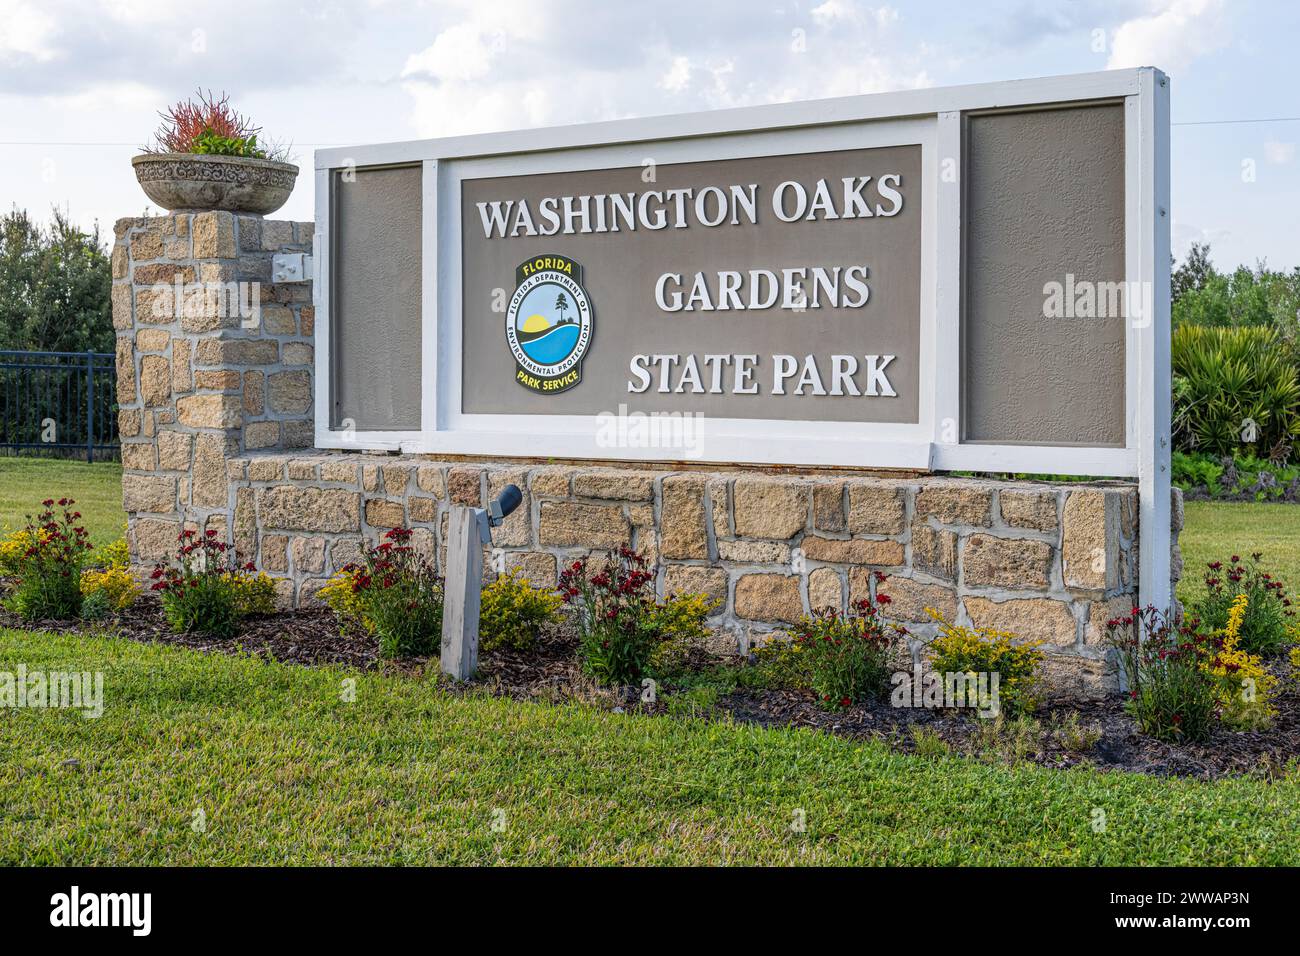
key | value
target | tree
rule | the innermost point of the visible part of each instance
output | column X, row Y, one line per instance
column 561, row 303
column 1192, row 274
column 55, row 287
column 1202, row 295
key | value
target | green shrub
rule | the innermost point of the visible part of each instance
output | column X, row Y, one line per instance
column 96, row 606
column 254, row 593
column 1243, row 477
column 114, row 586
column 846, row 656
column 1224, row 377
column 1191, row 470
column 400, row 595
column 680, row 622
column 1270, row 624
column 617, row 629
column 958, row 650
column 778, row 664
column 47, row 560
column 115, row 555
column 624, row 633
column 344, row 596
column 1172, row 696
column 207, row 593
column 512, row 612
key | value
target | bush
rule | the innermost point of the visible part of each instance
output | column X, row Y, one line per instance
column 208, row 593
column 1244, row 687
column 96, row 606
column 846, row 656
column 111, row 589
column 681, row 625
column 13, row 550
column 254, row 593
column 958, row 650
column 49, row 567
column 344, row 595
column 1224, row 377
column 398, row 597
column 512, row 612
column 1171, row 695
column 617, row 627
column 1270, row 623
column 1236, row 478
column 115, row 554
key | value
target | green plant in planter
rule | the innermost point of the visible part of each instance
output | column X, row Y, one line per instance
column 212, row 143
column 207, row 125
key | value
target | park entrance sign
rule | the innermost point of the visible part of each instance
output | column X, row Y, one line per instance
column 963, row 279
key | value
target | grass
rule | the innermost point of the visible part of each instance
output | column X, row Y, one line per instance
column 1214, row 531
column 286, row 772
column 97, row 488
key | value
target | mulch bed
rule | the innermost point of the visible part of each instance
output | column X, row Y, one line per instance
column 549, row 672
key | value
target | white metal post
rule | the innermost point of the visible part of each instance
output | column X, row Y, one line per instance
column 1153, row 422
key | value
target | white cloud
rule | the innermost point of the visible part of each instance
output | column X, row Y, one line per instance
column 1278, row 154
column 1170, row 35
column 564, row 61
column 465, row 52
column 28, row 32
column 678, row 75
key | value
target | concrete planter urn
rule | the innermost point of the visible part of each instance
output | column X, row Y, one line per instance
column 193, row 182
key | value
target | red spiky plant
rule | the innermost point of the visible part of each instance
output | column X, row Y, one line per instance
column 206, row 115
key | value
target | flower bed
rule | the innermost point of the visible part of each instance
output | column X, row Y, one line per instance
column 1058, row 735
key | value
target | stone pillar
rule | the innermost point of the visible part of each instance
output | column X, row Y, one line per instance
column 213, row 361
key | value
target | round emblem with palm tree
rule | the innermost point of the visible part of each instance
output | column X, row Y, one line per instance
column 549, row 323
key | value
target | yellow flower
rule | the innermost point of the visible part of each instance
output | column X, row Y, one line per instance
column 1245, row 688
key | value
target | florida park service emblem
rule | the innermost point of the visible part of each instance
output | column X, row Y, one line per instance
column 549, row 324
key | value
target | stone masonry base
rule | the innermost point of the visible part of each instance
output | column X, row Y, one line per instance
column 1048, row 562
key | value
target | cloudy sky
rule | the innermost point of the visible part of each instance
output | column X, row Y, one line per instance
column 81, row 81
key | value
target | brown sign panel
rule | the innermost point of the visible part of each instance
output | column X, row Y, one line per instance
column 778, row 287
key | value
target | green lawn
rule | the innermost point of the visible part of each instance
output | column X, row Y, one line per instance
column 97, row 488
column 286, row 772
column 1214, row 531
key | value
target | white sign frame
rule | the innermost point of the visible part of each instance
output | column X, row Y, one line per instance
column 931, row 117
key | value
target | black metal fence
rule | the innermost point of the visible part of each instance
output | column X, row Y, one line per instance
column 61, row 404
